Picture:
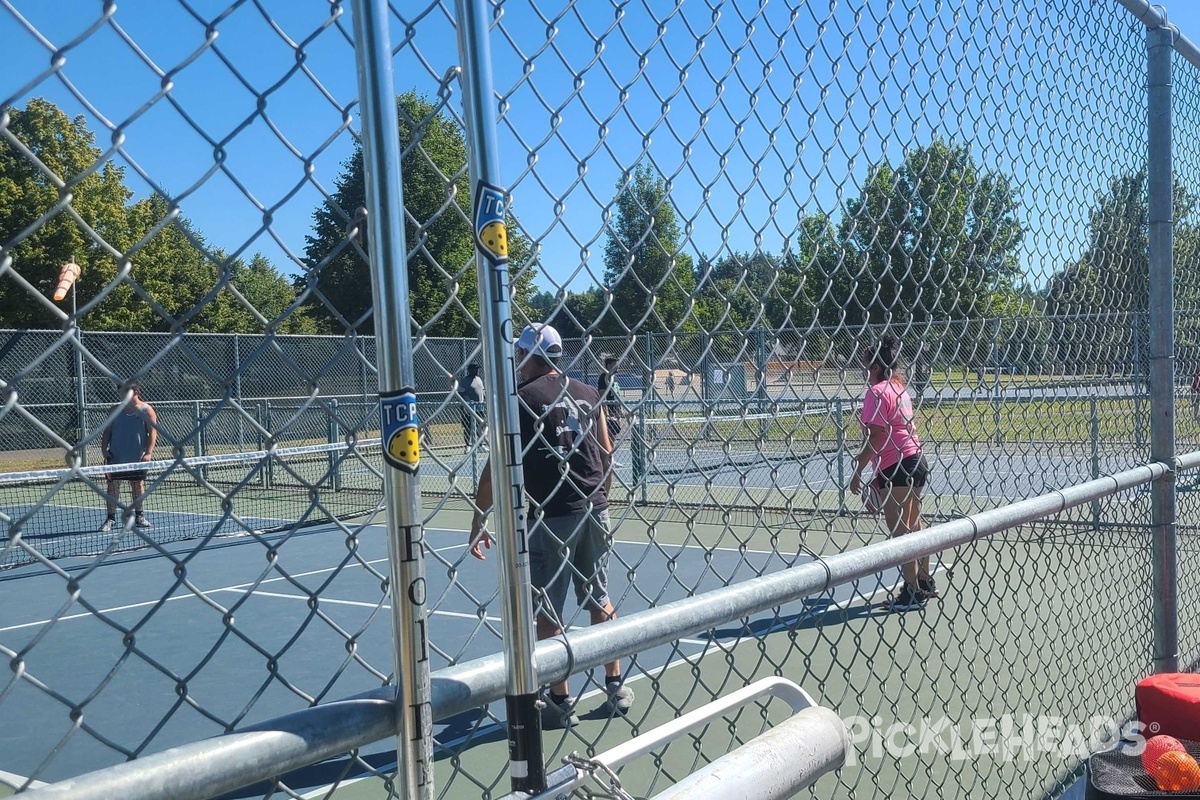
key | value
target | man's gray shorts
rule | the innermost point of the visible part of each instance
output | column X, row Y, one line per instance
column 571, row 549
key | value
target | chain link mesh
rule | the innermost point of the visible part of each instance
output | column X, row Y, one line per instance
column 731, row 200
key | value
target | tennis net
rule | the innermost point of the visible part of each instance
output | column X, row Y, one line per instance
column 59, row 513
column 704, row 443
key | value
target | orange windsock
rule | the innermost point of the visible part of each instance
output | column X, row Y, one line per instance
column 66, row 278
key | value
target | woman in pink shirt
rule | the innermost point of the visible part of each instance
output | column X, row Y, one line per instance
column 893, row 449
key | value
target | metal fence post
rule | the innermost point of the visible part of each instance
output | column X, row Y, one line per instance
column 649, row 390
column 237, row 369
column 472, row 411
column 760, row 368
column 198, row 427
column 1159, row 180
column 334, row 435
column 1094, row 436
column 80, row 390
column 527, row 768
column 398, row 403
column 637, row 449
column 840, row 420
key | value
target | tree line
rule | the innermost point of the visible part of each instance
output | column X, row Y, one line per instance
column 936, row 236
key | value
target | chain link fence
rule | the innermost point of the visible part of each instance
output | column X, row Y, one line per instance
column 731, row 201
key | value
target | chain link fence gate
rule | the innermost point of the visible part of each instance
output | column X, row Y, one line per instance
column 734, row 202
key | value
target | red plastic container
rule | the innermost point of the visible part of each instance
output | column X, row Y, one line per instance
column 1169, row 703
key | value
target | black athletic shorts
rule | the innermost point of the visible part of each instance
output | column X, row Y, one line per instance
column 911, row 471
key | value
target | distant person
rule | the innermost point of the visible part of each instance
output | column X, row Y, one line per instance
column 671, row 383
column 129, row 439
column 610, row 395
column 470, row 389
column 892, row 446
column 568, row 475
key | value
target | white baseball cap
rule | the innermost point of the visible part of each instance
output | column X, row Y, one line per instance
column 542, row 340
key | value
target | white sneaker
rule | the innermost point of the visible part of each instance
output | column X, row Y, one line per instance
column 142, row 522
column 108, row 525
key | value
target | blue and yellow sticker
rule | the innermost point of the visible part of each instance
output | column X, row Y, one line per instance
column 401, row 432
column 491, row 235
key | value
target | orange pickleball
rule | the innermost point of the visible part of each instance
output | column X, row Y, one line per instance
column 1176, row 772
column 1156, row 746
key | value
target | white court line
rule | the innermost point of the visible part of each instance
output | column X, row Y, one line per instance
column 822, row 483
column 184, row 595
column 384, row 606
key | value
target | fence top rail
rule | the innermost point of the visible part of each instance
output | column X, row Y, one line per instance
column 1154, row 17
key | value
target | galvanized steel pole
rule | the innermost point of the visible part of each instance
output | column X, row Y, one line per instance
column 527, row 769
column 397, row 398
column 1159, row 180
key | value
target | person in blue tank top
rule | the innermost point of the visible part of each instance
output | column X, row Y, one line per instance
column 129, row 440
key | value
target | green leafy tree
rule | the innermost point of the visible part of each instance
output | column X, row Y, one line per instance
column 1113, row 273
column 442, row 282
column 745, row 291
column 41, row 236
column 255, row 285
column 168, row 263
column 542, row 306
column 651, row 280
column 580, row 313
column 931, row 238
column 1102, row 297
column 151, row 268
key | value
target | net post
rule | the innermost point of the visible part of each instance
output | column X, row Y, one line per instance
column 398, row 411
column 527, row 767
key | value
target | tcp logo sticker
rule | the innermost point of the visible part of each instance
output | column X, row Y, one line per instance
column 401, row 436
column 491, row 235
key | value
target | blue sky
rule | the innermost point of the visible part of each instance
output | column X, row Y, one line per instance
column 747, row 150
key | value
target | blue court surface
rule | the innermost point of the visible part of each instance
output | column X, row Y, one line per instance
column 154, row 655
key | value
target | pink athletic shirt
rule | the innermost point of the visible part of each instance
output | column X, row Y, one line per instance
column 888, row 404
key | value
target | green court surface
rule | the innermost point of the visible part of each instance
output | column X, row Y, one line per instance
column 1046, row 628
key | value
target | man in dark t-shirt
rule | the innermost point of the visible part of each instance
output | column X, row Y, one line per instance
column 567, row 467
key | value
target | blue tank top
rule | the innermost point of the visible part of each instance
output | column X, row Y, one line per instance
column 130, row 434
